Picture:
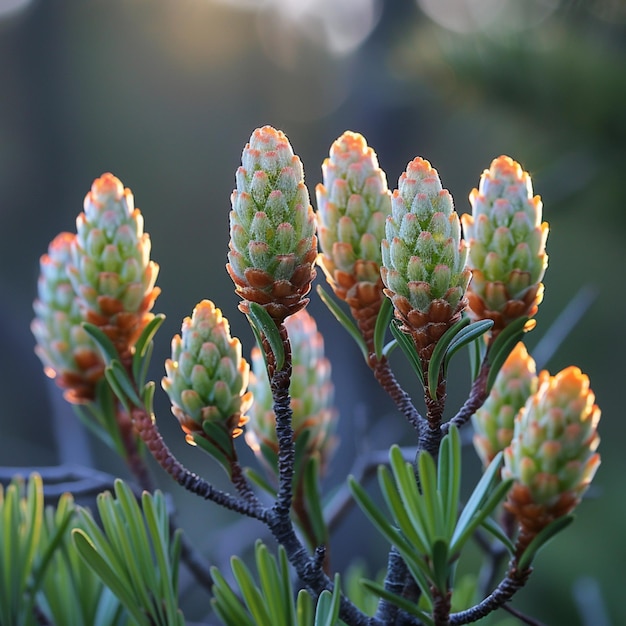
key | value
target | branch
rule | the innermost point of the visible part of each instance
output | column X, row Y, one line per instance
column 506, row 589
column 149, row 432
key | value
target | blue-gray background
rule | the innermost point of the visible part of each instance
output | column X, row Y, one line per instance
column 165, row 94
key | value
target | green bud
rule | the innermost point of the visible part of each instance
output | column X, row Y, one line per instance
column 110, row 267
column 352, row 202
column 206, row 378
column 552, row 455
column 311, row 391
column 423, row 243
column 506, row 238
column 67, row 352
column 493, row 422
column 271, row 221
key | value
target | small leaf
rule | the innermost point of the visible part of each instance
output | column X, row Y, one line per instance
column 493, row 499
column 542, row 538
column 430, row 495
column 110, row 576
column 271, row 584
column 477, row 349
column 327, row 609
column 267, row 327
column 399, row 601
column 124, row 382
column 104, row 343
column 436, row 360
column 389, row 348
column 407, row 520
column 142, row 344
column 226, row 604
column 484, row 485
column 440, row 566
column 116, row 388
column 148, row 333
column 216, row 452
column 385, row 314
column 466, row 335
column 408, row 347
column 250, row 592
column 343, row 319
column 489, row 525
column 304, row 608
column 147, row 397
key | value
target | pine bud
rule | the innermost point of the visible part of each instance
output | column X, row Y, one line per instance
column 494, row 421
column 424, row 257
column 353, row 202
column 552, row 455
column 110, row 268
column 311, row 391
column 67, row 352
column 207, row 377
column 272, row 227
column 507, row 245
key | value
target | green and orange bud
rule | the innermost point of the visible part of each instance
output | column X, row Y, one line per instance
column 424, row 257
column 110, row 268
column 507, row 242
column 353, row 202
column 207, row 378
column 272, row 245
column 552, row 455
column 311, row 391
column 494, row 421
column 67, row 352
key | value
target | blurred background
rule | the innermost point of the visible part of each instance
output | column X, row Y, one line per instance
column 166, row 93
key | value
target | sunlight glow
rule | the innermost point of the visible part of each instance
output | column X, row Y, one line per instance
column 340, row 26
column 491, row 16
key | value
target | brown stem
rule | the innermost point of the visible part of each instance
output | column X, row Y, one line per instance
column 506, row 589
column 387, row 380
column 134, row 460
column 441, row 607
column 146, row 428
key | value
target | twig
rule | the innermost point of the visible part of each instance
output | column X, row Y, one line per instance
column 148, row 431
column 506, row 589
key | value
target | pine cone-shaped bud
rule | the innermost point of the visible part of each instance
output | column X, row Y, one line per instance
column 494, row 421
column 111, row 270
column 552, row 456
column 424, row 257
column 353, row 202
column 507, row 245
column 272, row 227
column 311, row 391
column 67, row 352
column 207, row 377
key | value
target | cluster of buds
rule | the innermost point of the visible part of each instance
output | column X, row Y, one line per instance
column 552, row 455
column 353, row 202
column 311, row 391
column 494, row 421
column 272, row 227
column 507, row 245
column 424, row 258
column 207, row 378
column 102, row 275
